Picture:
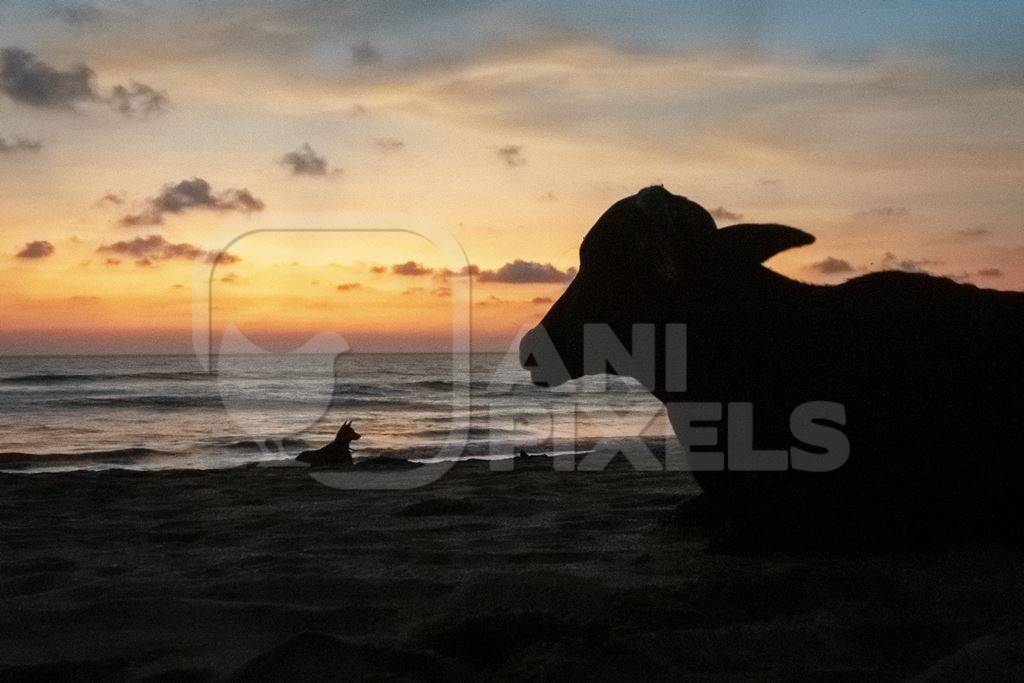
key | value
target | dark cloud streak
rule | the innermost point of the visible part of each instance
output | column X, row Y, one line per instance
column 192, row 194
column 305, row 161
column 147, row 250
column 365, row 54
column 26, row 79
column 526, row 272
column 19, row 145
column 36, row 250
column 512, row 155
column 974, row 233
column 832, row 266
column 110, row 198
column 137, row 100
column 80, row 15
column 514, row 272
column 410, row 268
column 883, row 213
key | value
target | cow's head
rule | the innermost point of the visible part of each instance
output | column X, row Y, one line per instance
column 649, row 258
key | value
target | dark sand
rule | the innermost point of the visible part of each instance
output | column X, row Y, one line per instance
column 265, row 574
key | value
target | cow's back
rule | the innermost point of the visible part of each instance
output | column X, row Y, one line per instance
column 931, row 375
column 932, row 337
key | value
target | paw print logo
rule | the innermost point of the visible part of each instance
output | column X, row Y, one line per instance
column 273, row 394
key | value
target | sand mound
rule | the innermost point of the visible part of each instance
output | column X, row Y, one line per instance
column 322, row 657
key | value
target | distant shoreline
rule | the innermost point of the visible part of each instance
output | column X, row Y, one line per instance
column 268, row 353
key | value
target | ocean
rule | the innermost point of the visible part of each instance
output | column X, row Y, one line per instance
column 169, row 412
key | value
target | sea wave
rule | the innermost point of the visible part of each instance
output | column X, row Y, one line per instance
column 120, row 456
column 381, row 403
column 45, row 378
column 155, row 401
column 472, row 433
column 252, row 399
column 249, row 445
column 439, row 384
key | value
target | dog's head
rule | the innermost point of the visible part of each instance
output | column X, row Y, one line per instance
column 346, row 434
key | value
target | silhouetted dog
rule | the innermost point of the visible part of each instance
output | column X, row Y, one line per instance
column 930, row 372
column 335, row 454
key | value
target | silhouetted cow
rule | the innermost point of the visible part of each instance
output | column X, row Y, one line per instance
column 930, row 372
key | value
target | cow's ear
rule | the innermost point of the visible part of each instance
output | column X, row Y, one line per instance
column 758, row 242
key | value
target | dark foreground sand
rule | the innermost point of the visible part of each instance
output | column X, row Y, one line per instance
column 266, row 574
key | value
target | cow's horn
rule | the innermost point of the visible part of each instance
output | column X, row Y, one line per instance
column 758, row 242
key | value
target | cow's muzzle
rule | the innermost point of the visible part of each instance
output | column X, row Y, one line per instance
column 549, row 363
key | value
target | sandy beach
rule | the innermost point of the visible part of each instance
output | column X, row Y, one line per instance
column 258, row 573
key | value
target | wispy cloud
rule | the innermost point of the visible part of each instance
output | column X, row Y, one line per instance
column 111, row 198
column 783, row 106
column 389, row 144
column 512, row 155
column 883, row 213
column 492, row 301
column 723, row 214
column 973, row 233
column 19, row 145
column 909, row 265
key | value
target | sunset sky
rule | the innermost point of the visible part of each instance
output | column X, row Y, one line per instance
column 138, row 139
